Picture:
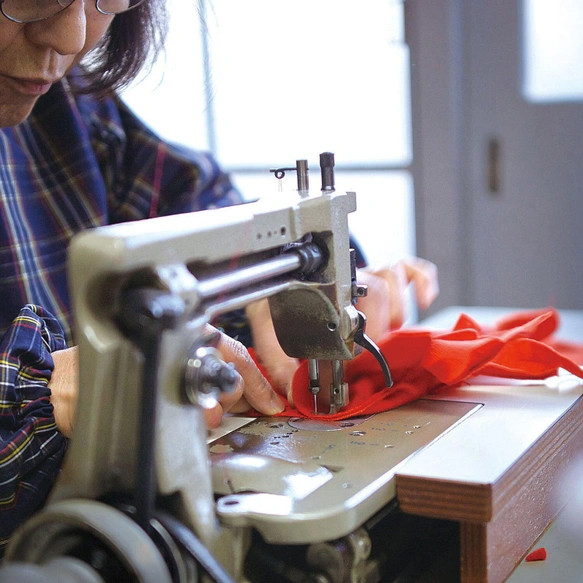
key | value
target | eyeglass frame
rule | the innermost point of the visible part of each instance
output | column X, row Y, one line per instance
column 12, row 19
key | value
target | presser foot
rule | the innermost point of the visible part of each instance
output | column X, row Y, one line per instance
column 339, row 394
column 328, row 373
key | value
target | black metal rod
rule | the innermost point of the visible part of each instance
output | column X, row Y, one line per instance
column 144, row 314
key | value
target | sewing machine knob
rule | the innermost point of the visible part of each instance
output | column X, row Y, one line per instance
column 206, row 375
column 327, row 171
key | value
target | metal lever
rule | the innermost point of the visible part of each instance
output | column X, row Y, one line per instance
column 363, row 340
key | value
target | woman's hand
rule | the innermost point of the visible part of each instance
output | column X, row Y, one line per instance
column 279, row 366
column 64, row 386
column 384, row 306
column 253, row 389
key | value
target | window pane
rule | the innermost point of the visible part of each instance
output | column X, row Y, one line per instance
column 553, row 50
column 171, row 98
column 327, row 75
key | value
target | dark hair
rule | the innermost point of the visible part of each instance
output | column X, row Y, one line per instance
column 133, row 38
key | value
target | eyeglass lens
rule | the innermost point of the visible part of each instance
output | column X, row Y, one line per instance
column 32, row 10
column 116, row 6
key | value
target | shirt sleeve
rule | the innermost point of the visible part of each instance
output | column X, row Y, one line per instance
column 31, row 447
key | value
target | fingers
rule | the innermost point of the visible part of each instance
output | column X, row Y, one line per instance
column 385, row 305
column 376, row 305
column 279, row 366
column 213, row 417
column 234, row 402
column 396, row 280
column 281, row 371
column 254, row 386
column 423, row 274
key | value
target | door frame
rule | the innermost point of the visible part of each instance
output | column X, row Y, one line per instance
column 434, row 34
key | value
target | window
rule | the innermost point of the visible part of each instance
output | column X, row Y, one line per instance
column 263, row 83
column 553, row 50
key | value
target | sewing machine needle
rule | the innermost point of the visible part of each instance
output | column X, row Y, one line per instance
column 314, row 376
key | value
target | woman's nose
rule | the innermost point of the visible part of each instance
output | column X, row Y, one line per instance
column 65, row 33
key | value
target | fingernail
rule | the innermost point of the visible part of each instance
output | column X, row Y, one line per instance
column 277, row 404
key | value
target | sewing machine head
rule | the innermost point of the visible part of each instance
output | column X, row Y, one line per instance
column 291, row 249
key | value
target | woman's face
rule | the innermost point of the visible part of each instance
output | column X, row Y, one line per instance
column 35, row 55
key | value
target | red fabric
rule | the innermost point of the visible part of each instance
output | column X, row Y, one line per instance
column 423, row 361
column 537, row 555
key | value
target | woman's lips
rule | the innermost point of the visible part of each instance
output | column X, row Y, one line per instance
column 31, row 87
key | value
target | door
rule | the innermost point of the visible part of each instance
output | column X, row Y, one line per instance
column 517, row 202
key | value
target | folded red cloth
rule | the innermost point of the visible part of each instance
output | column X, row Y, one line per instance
column 424, row 361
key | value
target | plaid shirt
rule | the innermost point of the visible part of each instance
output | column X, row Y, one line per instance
column 75, row 163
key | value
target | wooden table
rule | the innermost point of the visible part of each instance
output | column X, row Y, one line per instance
column 499, row 473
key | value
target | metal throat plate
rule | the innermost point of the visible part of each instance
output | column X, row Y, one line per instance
column 300, row 481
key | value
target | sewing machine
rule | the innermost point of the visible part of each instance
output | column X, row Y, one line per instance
column 146, row 494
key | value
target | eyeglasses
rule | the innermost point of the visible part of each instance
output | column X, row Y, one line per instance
column 22, row 11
